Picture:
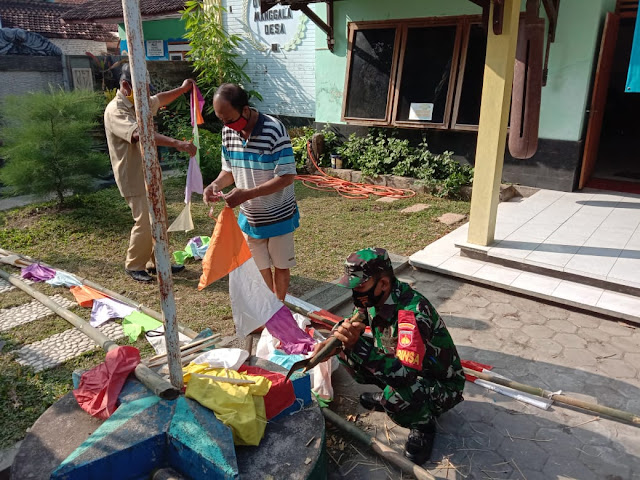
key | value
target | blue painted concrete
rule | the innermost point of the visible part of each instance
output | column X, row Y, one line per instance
column 146, row 433
column 302, row 389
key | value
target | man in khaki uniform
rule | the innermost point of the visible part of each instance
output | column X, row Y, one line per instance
column 126, row 159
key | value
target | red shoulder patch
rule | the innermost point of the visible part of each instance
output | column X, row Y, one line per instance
column 410, row 349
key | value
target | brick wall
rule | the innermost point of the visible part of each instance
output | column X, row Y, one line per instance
column 71, row 46
column 285, row 78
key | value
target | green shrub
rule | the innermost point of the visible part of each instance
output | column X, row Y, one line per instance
column 299, row 138
column 210, row 155
column 177, row 125
column 214, row 52
column 50, row 142
column 378, row 154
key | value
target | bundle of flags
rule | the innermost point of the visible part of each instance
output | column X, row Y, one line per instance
column 253, row 304
column 184, row 222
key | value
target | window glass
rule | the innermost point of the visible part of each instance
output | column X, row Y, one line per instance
column 370, row 73
column 426, row 72
column 471, row 95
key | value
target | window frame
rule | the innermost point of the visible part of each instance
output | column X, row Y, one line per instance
column 352, row 29
column 463, row 24
column 460, row 80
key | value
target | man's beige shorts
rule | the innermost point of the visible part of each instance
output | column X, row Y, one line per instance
column 277, row 251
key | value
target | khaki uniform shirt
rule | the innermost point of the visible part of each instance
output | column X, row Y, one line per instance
column 126, row 158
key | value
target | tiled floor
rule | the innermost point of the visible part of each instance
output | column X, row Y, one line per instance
column 591, row 234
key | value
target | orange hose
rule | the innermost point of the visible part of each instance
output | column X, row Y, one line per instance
column 350, row 190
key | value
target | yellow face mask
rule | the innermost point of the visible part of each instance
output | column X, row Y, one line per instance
column 130, row 98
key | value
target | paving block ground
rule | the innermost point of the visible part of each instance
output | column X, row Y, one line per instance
column 492, row 436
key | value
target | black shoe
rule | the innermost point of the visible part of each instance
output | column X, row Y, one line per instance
column 420, row 443
column 372, row 401
column 174, row 269
column 139, row 275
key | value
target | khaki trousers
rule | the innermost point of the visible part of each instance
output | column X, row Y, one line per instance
column 140, row 253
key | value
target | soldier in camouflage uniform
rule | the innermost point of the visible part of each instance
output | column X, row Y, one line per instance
column 422, row 376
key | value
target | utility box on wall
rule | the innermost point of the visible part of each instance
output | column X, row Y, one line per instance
column 279, row 46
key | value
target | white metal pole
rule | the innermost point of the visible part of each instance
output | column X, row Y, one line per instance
column 153, row 179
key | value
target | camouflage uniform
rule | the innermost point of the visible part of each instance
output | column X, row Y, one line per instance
column 411, row 396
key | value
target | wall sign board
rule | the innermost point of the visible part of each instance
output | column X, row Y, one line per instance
column 155, row 48
column 280, row 25
column 421, row 111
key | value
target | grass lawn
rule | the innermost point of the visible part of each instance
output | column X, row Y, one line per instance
column 90, row 238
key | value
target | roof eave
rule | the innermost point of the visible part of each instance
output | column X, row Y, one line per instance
column 117, row 20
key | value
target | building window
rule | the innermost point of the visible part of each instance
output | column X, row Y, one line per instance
column 178, row 50
column 415, row 73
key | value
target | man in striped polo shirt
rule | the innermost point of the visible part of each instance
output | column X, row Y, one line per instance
column 257, row 157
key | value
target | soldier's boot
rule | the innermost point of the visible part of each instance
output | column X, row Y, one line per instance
column 420, row 443
column 372, row 401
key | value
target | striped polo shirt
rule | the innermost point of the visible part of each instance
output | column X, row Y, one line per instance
column 266, row 154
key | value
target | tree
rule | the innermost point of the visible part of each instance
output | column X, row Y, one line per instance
column 49, row 146
column 213, row 51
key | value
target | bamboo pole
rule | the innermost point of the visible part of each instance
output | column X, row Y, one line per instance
column 380, row 448
column 189, row 346
column 158, row 385
column 556, row 397
column 26, row 261
column 235, row 381
column 162, row 359
column 313, row 316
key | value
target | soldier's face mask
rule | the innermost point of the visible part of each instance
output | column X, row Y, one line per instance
column 368, row 298
column 239, row 124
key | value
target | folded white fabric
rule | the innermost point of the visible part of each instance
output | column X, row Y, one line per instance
column 231, row 358
column 104, row 309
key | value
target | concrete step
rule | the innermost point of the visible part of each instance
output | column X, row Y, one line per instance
column 483, row 254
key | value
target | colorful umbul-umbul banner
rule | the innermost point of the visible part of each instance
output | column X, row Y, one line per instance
column 184, row 221
column 252, row 303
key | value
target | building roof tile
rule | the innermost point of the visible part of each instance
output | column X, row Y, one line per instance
column 112, row 9
column 45, row 18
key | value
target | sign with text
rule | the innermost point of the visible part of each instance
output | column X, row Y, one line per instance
column 155, row 48
column 421, row 111
column 280, row 26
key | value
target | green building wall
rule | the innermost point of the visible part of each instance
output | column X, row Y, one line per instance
column 166, row 30
column 571, row 62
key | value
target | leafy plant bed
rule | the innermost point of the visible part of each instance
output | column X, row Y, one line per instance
column 382, row 154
